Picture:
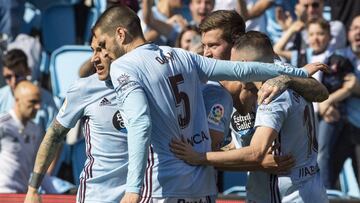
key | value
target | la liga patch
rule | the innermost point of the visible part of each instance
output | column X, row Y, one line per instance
column 216, row 113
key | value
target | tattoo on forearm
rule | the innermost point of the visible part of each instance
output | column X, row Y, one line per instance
column 49, row 146
column 310, row 89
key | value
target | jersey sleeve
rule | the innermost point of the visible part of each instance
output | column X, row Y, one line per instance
column 273, row 114
column 73, row 107
column 137, row 121
column 212, row 69
column 51, row 108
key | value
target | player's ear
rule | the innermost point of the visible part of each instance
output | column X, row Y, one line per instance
column 120, row 35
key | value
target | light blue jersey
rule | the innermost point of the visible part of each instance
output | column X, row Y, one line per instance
column 104, row 175
column 293, row 118
column 218, row 106
column 159, row 94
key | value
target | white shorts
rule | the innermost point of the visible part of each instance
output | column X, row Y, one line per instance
column 207, row 199
column 310, row 191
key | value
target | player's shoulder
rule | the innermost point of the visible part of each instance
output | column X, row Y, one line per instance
column 5, row 90
column 291, row 97
column 215, row 89
column 83, row 84
column 4, row 118
column 288, row 97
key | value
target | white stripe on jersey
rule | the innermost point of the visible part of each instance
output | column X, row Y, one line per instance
column 147, row 186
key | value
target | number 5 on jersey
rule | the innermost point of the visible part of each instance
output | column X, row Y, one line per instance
column 181, row 99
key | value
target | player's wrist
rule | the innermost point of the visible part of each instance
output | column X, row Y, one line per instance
column 32, row 190
column 35, row 180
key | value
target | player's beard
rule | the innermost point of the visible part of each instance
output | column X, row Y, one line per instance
column 118, row 50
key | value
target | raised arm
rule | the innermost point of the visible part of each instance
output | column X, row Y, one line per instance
column 279, row 46
column 53, row 139
column 309, row 88
column 216, row 70
column 158, row 27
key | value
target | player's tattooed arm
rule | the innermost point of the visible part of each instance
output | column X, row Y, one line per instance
column 309, row 88
column 52, row 140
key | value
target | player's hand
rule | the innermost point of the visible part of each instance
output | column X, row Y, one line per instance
column 178, row 20
column 130, row 197
column 32, row 196
column 331, row 115
column 277, row 164
column 324, row 106
column 283, row 18
column 185, row 151
column 271, row 88
column 312, row 68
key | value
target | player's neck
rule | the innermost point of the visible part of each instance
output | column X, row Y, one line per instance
column 134, row 44
column 19, row 116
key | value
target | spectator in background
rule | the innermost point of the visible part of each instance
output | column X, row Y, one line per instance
column 338, row 83
column 225, row 4
column 16, row 69
column 253, row 13
column 19, row 139
column 165, row 26
column 308, row 10
column 200, row 9
column 190, row 39
column 344, row 11
column 349, row 138
column 319, row 43
column 11, row 17
column 278, row 14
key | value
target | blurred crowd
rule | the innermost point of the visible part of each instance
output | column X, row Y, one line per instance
column 302, row 32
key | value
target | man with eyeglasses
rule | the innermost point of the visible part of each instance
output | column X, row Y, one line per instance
column 313, row 9
column 15, row 69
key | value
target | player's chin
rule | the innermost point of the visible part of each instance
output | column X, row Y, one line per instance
column 103, row 76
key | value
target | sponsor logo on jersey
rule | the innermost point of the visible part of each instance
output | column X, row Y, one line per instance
column 198, row 138
column 239, row 122
column 104, row 102
column 123, row 79
column 216, row 113
column 118, row 122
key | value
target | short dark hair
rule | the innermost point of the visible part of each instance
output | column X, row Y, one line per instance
column 187, row 28
column 230, row 22
column 325, row 25
column 15, row 60
column 255, row 40
column 118, row 16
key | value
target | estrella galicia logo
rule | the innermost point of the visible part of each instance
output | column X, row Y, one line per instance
column 118, row 122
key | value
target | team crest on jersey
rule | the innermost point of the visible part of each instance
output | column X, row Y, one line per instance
column 123, row 79
column 63, row 107
column 118, row 122
column 216, row 113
